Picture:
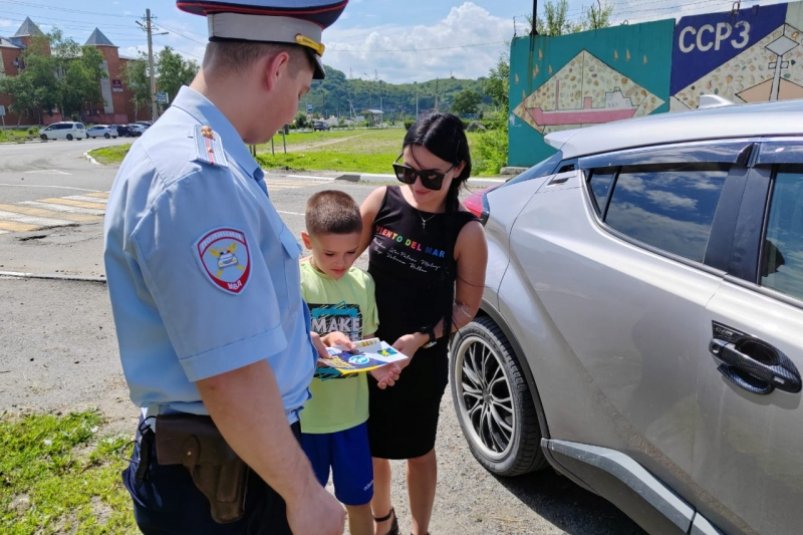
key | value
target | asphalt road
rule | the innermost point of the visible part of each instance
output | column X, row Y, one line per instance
column 58, row 349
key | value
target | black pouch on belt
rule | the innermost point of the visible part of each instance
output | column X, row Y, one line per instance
column 195, row 442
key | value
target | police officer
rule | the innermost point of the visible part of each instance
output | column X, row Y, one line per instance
column 204, row 282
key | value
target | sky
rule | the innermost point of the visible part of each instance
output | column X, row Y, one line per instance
column 396, row 41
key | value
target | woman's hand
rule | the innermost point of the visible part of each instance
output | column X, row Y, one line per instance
column 386, row 375
column 408, row 344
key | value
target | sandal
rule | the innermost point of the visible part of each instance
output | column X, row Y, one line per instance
column 394, row 526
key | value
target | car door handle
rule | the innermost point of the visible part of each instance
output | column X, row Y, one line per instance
column 756, row 366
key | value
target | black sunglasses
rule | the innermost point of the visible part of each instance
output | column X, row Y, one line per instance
column 430, row 178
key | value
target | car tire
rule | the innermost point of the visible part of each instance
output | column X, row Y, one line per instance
column 493, row 403
column 69, row 137
column 107, row 135
column 43, row 137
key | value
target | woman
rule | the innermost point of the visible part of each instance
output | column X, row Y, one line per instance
column 427, row 257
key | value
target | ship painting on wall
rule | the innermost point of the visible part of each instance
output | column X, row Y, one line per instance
column 585, row 91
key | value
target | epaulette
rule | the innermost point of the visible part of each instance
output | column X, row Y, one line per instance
column 209, row 146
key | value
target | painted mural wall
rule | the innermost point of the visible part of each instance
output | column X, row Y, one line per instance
column 577, row 80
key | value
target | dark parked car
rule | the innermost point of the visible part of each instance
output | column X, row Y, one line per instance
column 320, row 125
column 122, row 130
column 640, row 329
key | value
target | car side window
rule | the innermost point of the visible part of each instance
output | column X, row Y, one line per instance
column 670, row 207
column 600, row 185
column 782, row 252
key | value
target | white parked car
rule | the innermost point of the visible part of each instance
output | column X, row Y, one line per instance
column 68, row 130
column 101, row 130
column 136, row 129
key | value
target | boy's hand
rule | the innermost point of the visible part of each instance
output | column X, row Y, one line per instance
column 386, row 375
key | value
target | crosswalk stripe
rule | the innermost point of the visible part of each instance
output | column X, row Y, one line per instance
column 41, row 212
column 14, row 226
column 70, row 202
column 99, row 194
column 65, row 208
column 40, row 221
column 87, row 198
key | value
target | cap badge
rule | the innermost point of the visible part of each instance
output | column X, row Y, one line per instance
column 225, row 259
column 303, row 40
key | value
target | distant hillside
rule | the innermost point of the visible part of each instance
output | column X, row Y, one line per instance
column 337, row 95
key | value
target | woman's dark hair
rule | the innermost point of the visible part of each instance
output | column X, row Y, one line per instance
column 443, row 135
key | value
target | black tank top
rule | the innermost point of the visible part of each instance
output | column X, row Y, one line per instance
column 411, row 259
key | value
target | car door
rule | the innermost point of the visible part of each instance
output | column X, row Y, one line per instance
column 621, row 266
column 748, row 462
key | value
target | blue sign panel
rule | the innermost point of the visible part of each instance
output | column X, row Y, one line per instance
column 704, row 42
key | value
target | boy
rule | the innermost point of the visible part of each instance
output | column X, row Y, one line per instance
column 340, row 298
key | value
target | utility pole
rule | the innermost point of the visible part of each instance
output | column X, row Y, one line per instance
column 148, row 27
column 533, row 30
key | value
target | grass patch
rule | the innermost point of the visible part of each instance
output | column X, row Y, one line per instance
column 17, row 135
column 351, row 150
column 110, row 155
column 57, row 475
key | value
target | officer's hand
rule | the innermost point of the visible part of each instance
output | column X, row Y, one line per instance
column 338, row 339
column 318, row 514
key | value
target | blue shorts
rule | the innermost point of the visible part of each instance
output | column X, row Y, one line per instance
column 349, row 456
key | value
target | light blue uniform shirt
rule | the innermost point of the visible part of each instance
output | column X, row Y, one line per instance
column 203, row 274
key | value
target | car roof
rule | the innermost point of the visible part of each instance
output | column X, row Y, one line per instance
column 737, row 120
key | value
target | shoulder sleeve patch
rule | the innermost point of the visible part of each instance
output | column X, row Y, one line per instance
column 209, row 147
column 224, row 258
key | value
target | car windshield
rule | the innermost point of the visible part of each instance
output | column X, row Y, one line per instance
column 542, row 168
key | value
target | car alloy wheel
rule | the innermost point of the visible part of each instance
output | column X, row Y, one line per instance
column 69, row 137
column 492, row 400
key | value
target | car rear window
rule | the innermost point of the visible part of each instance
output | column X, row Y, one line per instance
column 670, row 207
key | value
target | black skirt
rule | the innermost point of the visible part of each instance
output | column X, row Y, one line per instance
column 403, row 419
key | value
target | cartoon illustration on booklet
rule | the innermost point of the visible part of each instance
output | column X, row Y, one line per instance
column 369, row 354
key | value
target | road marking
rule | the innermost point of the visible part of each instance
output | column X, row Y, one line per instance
column 48, row 172
column 87, row 198
column 277, row 184
column 99, row 194
column 13, row 226
column 42, row 212
column 78, row 204
column 62, row 208
column 41, row 221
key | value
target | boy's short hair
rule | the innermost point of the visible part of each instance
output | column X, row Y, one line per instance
column 332, row 212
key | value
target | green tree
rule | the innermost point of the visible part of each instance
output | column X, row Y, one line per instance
column 137, row 81
column 466, row 102
column 174, row 71
column 556, row 21
column 497, row 84
column 77, row 73
column 80, row 85
column 599, row 16
column 34, row 89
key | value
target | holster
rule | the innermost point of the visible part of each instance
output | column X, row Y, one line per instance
column 194, row 442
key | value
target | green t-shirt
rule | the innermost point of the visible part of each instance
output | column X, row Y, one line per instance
column 347, row 305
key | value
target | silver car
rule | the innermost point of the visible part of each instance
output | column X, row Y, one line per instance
column 641, row 329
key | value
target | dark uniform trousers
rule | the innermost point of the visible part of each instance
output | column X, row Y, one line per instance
column 166, row 501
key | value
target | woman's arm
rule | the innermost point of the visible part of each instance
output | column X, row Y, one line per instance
column 471, row 254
